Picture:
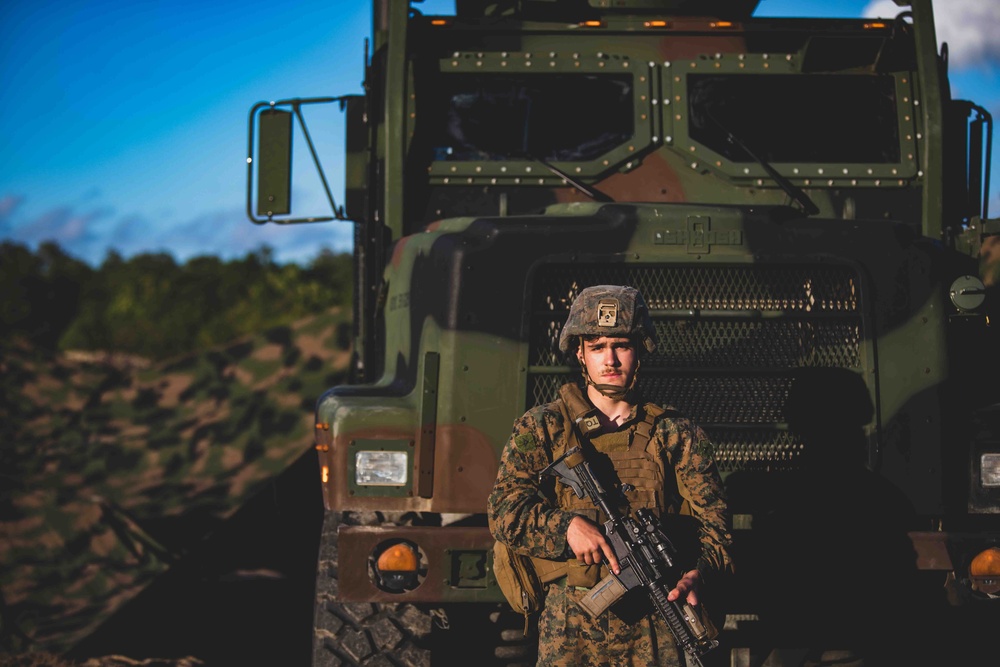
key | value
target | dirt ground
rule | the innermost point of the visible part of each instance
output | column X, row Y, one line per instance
column 244, row 597
column 50, row 660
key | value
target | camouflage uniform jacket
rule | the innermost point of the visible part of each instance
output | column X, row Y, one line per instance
column 527, row 516
column 532, row 517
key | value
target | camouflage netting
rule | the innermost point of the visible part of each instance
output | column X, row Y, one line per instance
column 989, row 261
column 112, row 470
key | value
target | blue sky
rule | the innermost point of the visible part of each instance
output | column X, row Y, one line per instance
column 125, row 123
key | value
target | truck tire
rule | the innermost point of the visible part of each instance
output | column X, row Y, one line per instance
column 361, row 633
column 407, row 635
column 512, row 648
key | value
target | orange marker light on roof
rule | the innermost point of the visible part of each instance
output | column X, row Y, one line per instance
column 439, row 22
column 721, row 24
column 655, row 24
column 871, row 26
column 592, row 24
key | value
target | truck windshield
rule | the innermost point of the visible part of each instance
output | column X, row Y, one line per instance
column 554, row 117
column 828, row 118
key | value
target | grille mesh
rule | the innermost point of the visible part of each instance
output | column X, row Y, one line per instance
column 728, row 340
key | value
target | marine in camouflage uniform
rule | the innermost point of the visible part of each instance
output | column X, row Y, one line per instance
column 668, row 467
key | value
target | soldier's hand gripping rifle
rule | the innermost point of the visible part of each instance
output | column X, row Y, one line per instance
column 645, row 556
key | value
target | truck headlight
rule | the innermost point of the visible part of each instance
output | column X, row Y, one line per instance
column 989, row 470
column 380, row 468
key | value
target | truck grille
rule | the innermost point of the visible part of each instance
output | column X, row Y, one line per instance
column 729, row 341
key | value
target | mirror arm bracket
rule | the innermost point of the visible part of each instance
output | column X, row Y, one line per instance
column 296, row 106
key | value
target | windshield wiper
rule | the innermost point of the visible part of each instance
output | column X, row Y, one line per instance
column 591, row 192
column 790, row 188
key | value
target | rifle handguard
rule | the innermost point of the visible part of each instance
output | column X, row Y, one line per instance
column 701, row 626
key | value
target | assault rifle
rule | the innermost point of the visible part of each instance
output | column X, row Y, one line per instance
column 645, row 556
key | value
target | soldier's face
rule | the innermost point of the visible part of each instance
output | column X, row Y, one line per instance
column 609, row 360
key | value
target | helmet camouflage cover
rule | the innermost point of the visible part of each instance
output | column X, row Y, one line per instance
column 608, row 310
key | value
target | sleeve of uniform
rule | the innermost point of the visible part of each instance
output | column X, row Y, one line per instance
column 699, row 482
column 519, row 515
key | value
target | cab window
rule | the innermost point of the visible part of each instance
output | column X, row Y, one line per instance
column 822, row 118
column 555, row 117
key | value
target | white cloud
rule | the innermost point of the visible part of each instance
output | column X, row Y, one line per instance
column 228, row 234
column 8, row 204
column 64, row 225
column 970, row 27
column 88, row 233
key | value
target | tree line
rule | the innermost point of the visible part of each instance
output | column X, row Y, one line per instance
column 151, row 305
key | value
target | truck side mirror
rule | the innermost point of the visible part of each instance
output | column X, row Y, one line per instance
column 270, row 131
column 274, row 163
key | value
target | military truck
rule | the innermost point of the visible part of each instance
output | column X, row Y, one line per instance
column 803, row 205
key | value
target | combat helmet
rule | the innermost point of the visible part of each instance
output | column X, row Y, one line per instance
column 608, row 310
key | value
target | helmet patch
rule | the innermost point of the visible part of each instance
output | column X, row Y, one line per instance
column 607, row 312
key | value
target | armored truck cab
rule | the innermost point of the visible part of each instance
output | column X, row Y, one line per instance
column 802, row 204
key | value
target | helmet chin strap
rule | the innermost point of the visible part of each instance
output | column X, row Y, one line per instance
column 612, row 391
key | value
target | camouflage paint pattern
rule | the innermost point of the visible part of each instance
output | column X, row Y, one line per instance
column 114, row 471
column 715, row 232
column 523, row 514
column 989, row 262
column 571, row 638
